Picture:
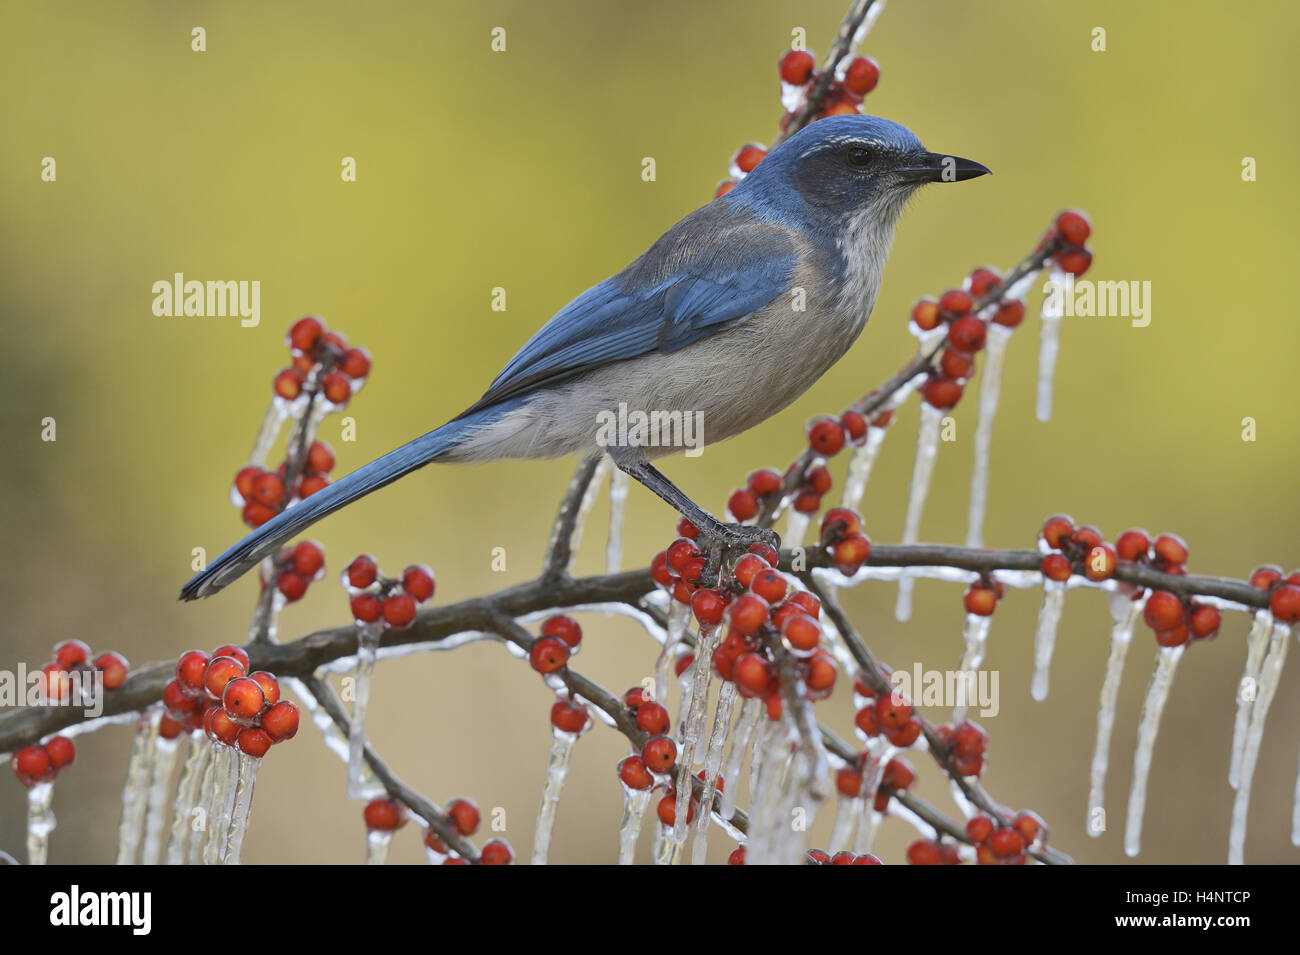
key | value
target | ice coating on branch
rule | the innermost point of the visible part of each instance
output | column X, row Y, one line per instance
column 361, row 783
column 584, row 508
column 1049, row 621
column 1256, row 643
column 187, row 793
column 796, row 528
column 847, row 810
column 861, row 465
column 927, row 450
column 1295, row 813
column 975, row 638
column 879, row 752
column 40, row 822
column 995, row 354
column 1152, row 708
column 1049, row 343
column 160, row 775
column 557, row 771
column 869, row 21
column 245, row 780
column 135, row 790
column 1125, row 612
column 377, row 842
column 333, row 738
column 739, row 745
column 635, row 802
column 1270, row 675
column 712, row 767
column 617, row 512
column 272, row 423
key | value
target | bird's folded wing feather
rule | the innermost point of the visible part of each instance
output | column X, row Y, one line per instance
column 699, row 278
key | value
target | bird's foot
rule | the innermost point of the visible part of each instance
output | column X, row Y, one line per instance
column 739, row 538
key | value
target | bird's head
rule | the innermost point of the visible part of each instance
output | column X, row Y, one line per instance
column 841, row 167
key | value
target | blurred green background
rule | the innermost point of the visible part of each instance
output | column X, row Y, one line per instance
column 522, row 170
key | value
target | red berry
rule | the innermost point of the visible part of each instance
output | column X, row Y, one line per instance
column 1266, row 577
column 955, row 364
column 855, row 426
column 398, row 610
column 840, row 522
column 190, row 669
column 243, row 698
column 1132, row 545
column 230, row 650
column 802, row 633
column 464, row 815
column 979, row 828
column 355, row 363
column 1175, row 636
column 221, row 726
column 747, row 568
column 220, row 671
column 1056, row 567
column 1285, row 603
column 1006, row 842
column 796, row 67
column 1100, row 562
column 765, row 482
column 288, row 383
column 1057, row 531
column 737, row 856
column 113, row 667
column 924, row 852
column 862, row 75
column 496, row 852
column 848, row 782
column 1030, row 825
column 361, row 573
column 686, row 529
column 1171, row 549
column 925, row 314
column 747, row 613
column 742, row 504
column 956, row 302
column 810, row 604
column 308, row 559
column 254, row 741
column 177, row 699
column 826, row 436
column 680, row 552
column 942, row 393
column 32, row 765
column 71, row 653
column 337, row 387
column 255, row 514
column 292, row 585
column 566, row 628
column 1074, row 261
column 982, row 281
column 967, row 334
column 268, row 489
column 1163, row 610
column 851, row 553
column 304, row 333
column 61, row 751
column 752, row 675
column 417, row 580
column 892, row 711
column 724, row 187
column 749, row 156
column 320, row 457
column 659, row 754
column 569, row 717
column 281, row 721
column 1073, row 226
column 366, row 607
column 269, row 684
column 653, row 718
column 384, row 814
column 667, row 809
column 548, row 654
column 632, row 771
column 981, row 601
column 819, row 479
column 1010, row 314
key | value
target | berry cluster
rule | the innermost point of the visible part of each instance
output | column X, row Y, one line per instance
column 374, row 597
column 1069, row 550
column 898, row 777
column 799, row 74
column 966, row 744
column 261, row 494
column 73, row 656
column 966, row 333
column 1005, row 845
column 295, row 568
column 841, row 534
column 464, row 817
column 1284, row 593
column 322, row 361
column 40, row 764
column 982, row 596
column 1070, row 230
column 216, row 693
column 561, row 637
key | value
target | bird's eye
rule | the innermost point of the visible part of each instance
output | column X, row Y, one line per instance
column 859, row 156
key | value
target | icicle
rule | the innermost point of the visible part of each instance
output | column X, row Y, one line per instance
column 1270, row 675
column 245, row 780
column 557, row 771
column 1247, row 690
column 361, row 782
column 990, row 391
column 135, row 791
column 160, row 775
column 741, row 738
column 226, row 774
column 332, row 735
column 975, row 636
column 768, row 800
column 679, row 615
column 861, row 465
column 635, row 802
column 712, row 767
column 584, row 508
column 1295, row 813
column 203, row 808
column 377, row 841
column 1049, row 621
column 879, row 752
column 1125, row 611
column 1152, row 707
column 927, row 450
column 40, row 822
column 617, row 511
column 847, row 811
column 693, row 724
column 187, row 791
column 1049, row 341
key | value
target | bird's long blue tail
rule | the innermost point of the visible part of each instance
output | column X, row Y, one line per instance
column 245, row 555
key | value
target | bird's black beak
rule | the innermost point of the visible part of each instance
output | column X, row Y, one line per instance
column 937, row 167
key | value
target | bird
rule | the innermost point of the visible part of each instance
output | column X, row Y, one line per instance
column 728, row 317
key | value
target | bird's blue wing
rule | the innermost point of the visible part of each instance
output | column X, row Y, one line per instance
column 714, row 268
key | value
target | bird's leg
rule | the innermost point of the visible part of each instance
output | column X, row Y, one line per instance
column 730, row 536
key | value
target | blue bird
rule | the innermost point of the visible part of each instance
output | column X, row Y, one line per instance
column 730, row 316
